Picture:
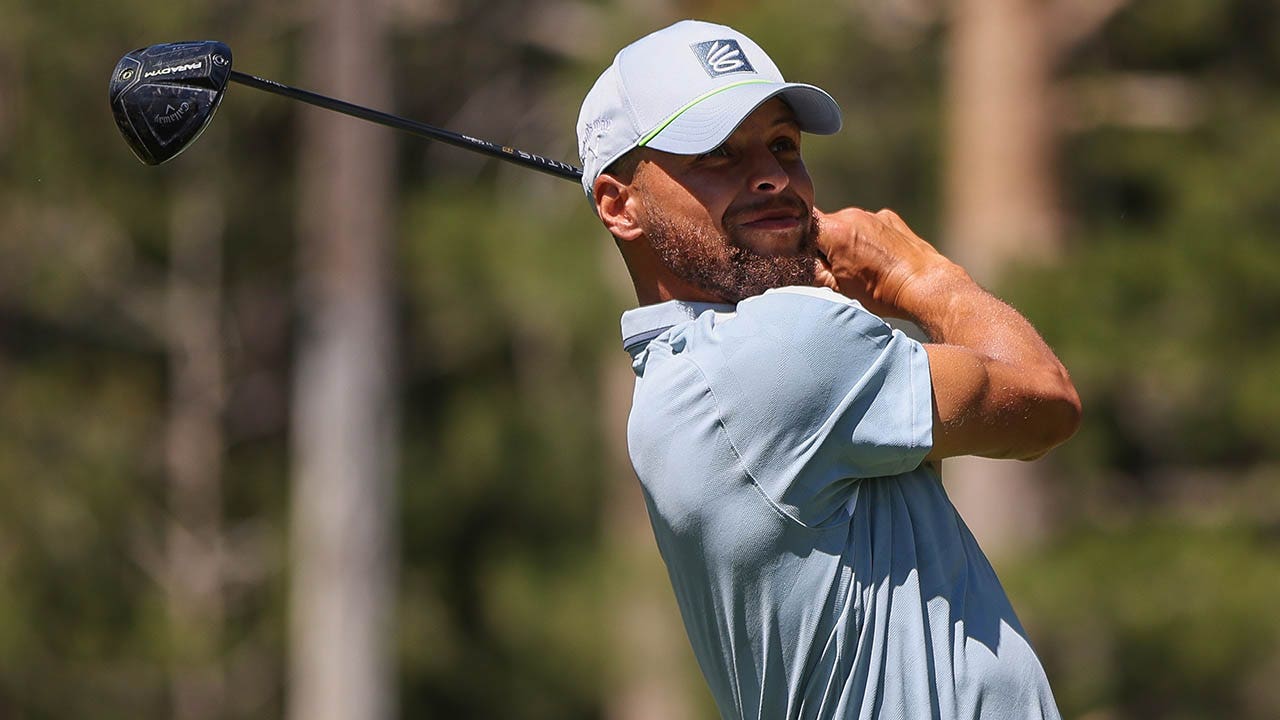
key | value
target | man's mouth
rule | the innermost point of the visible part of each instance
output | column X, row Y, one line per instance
column 778, row 217
column 774, row 222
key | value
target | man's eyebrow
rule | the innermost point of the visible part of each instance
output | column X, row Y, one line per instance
column 785, row 117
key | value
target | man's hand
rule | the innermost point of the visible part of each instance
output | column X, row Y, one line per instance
column 877, row 260
column 998, row 389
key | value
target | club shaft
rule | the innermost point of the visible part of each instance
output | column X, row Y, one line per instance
column 502, row 152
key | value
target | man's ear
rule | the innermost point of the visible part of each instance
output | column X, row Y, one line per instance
column 615, row 203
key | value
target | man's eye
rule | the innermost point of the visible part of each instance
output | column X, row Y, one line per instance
column 785, row 144
column 719, row 152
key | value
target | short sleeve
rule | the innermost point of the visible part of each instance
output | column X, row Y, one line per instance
column 815, row 392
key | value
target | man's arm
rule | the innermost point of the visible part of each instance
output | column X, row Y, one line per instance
column 998, row 390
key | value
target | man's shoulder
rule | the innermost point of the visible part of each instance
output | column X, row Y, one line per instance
column 777, row 344
column 777, row 333
column 798, row 301
column 805, row 294
column 812, row 318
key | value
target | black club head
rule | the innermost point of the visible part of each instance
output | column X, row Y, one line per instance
column 164, row 96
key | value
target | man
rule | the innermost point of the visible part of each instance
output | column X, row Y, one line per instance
column 785, row 437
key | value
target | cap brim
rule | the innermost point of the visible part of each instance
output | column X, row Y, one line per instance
column 706, row 124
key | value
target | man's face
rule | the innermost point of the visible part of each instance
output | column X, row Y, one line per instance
column 738, row 220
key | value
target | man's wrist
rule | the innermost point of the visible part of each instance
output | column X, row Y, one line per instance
column 929, row 296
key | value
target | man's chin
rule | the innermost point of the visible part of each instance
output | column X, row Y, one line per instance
column 740, row 262
column 774, row 243
column 754, row 273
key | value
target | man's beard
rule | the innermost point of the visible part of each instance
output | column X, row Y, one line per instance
column 724, row 264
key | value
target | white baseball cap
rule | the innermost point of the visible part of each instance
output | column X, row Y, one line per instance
column 685, row 89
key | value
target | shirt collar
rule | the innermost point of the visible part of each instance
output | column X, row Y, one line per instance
column 643, row 324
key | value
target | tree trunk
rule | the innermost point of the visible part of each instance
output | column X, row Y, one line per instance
column 344, row 558
column 1002, row 196
column 193, row 451
column 1001, row 206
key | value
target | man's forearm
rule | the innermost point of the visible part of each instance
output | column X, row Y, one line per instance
column 952, row 309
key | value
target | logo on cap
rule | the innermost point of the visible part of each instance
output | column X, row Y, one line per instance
column 590, row 136
column 721, row 57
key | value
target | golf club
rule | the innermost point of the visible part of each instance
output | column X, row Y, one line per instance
column 164, row 96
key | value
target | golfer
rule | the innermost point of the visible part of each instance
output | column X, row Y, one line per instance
column 786, row 439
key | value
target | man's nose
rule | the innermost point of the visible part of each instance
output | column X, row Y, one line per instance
column 766, row 173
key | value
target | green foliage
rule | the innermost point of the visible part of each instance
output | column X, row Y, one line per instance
column 503, row 479
column 1157, row 618
column 1164, row 310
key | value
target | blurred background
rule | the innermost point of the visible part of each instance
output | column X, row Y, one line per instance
column 323, row 421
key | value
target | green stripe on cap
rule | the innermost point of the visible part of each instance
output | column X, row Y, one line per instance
column 672, row 117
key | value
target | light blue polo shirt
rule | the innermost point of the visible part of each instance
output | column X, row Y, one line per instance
column 820, row 569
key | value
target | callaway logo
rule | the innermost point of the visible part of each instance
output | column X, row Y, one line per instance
column 174, row 69
column 589, row 140
column 721, row 57
column 173, row 114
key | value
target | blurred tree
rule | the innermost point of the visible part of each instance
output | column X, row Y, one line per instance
column 1003, row 203
column 342, row 552
column 1002, row 206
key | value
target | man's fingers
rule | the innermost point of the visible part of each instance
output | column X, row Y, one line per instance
column 846, row 220
column 894, row 220
column 823, row 277
column 852, row 222
column 865, row 219
column 830, row 228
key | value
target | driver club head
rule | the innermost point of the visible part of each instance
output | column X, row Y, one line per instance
column 164, row 96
